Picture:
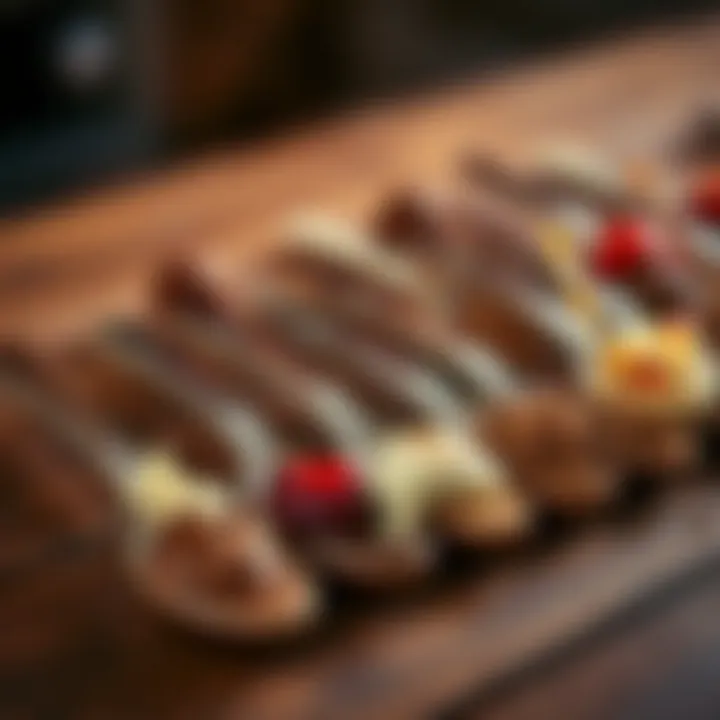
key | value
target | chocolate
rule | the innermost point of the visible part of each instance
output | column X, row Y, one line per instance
column 533, row 333
column 59, row 523
column 660, row 448
column 464, row 238
column 553, row 444
column 397, row 395
column 426, row 475
column 536, row 334
column 115, row 381
column 488, row 173
column 323, row 259
column 469, row 372
column 700, row 140
column 465, row 514
column 225, row 577
column 318, row 487
column 183, row 285
column 561, row 177
column 391, row 392
column 512, row 305
column 53, row 494
column 334, row 531
column 208, row 432
column 628, row 245
column 302, row 412
column 199, row 563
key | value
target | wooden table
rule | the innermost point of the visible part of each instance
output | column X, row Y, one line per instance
column 64, row 267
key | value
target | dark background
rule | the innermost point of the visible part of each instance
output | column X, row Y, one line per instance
column 94, row 87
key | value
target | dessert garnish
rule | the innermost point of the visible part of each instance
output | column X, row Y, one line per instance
column 318, row 494
column 663, row 367
column 623, row 244
column 704, row 198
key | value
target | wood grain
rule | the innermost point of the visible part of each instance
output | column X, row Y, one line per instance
column 468, row 633
column 103, row 246
column 492, row 628
column 64, row 267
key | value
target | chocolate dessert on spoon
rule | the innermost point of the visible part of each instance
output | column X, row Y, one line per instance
column 401, row 399
column 623, row 219
column 307, row 485
column 193, row 548
column 598, row 317
column 316, row 495
column 55, row 498
column 534, row 333
column 642, row 251
column 346, row 270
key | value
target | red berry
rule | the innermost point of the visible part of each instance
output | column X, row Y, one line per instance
column 622, row 246
column 705, row 197
column 317, row 493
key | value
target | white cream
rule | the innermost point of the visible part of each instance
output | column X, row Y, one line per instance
column 342, row 242
column 490, row 375
column 575, row 334
column 579, row 164
column 341, row 415
column 621, row 311
column 412, row 469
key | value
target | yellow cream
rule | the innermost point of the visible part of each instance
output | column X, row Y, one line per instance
column 656, row 368
column 563, row 252
column 164, row 489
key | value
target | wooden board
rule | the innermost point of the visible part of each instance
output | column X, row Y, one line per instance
column 485, row 624
column 428, row 657
column 65, row 266
column 68, row 266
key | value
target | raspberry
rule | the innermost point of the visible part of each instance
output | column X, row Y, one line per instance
column 705, row 198
column 317, row 494
column 622, row 246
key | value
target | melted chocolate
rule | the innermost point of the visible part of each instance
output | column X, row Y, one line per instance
column 50, row 494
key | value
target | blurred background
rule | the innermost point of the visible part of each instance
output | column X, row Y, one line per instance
column 96, row 87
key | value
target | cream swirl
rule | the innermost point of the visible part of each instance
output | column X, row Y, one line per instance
column 412, row 469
